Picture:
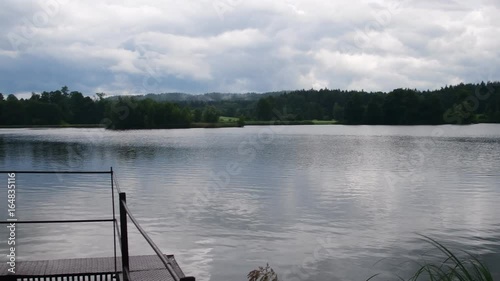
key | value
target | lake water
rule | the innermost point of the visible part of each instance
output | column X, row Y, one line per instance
column 315, row 202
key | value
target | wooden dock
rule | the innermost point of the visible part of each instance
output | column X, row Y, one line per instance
column 143, row 268
column 159, row 267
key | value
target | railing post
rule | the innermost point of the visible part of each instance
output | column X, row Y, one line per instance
column 114, row 215
column 124, row 236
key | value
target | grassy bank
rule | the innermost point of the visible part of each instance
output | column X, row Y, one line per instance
column 302, row 122
column 214, row 125
column 226, row 119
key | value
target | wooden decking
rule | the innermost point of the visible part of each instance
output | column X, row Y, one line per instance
column 142, row 268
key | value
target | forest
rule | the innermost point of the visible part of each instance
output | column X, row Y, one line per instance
column 458, row 104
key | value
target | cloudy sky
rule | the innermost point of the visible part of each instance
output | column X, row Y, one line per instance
column 131, row 47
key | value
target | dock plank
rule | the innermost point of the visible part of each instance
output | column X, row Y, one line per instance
column 143, row 268
column 151, row 275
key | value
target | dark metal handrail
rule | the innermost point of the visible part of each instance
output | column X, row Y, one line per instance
column 157, row 250
column 121, row 231
column 124, row 212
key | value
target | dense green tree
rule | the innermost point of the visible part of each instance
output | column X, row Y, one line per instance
column 12, row 98
column 374, row 114
column 338, row 112
column 264, row 109
column 197, row 115
column 13, row 111
column 241, row 121
column 495, row 118
column 458, row 114
column 354, row 110
column 129, row 113
column 431, row 110
column 39, row 113
column 210, row 114
column 393, row 108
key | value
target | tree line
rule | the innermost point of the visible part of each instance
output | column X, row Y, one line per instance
column 62, row 107
column 459, row 104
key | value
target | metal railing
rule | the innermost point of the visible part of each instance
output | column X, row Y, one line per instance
column 120, row 232
column 124, row 213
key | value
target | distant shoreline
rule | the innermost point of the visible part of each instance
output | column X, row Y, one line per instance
column 51, row 126
column 83, row 126
column 199, row 125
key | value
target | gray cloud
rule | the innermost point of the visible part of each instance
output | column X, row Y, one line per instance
column 123, row 47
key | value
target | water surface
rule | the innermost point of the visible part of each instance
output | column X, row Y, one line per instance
column 316, row 202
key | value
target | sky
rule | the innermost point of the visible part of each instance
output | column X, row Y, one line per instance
column 237, row 46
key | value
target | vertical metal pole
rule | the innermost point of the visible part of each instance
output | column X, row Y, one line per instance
column 124, row 235
column 114, row 215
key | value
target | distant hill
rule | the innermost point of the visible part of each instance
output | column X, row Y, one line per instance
column 208, row 97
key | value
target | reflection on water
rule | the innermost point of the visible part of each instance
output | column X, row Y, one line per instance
column 316, row 202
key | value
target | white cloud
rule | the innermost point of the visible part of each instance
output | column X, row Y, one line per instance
column 190, row 46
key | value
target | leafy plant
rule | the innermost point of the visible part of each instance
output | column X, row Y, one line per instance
column 263, row 274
